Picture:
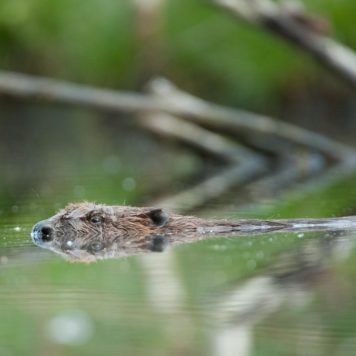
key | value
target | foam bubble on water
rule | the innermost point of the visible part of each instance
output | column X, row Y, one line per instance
column 129, row 184
column 71, row 328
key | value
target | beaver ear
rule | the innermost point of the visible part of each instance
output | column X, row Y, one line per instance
column 158, row 217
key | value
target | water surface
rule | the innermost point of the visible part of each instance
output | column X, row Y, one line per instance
column 271, row 294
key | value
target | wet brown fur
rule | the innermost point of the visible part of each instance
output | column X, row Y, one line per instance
column 88, row 231
column 123, row 230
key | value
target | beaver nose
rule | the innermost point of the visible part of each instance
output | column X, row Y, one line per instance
column 42, row 232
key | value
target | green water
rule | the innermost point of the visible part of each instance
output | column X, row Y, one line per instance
column 272, row 294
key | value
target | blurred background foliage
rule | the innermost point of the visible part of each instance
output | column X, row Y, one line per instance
column 109, row 43
column 200, row 47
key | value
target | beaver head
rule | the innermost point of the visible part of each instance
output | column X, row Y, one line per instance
column 88, row 231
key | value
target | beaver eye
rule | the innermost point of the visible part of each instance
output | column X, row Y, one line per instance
column 96, row 246
column 96, row 219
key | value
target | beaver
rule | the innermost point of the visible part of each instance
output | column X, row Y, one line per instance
column 88, row 231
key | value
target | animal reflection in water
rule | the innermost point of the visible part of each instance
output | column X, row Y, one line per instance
column 292, row 280
column 87, row 231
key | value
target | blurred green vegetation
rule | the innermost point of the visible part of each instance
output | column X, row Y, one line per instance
column 200, row 47
column 83, row 40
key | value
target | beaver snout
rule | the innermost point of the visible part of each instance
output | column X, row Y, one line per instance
column 42, row 232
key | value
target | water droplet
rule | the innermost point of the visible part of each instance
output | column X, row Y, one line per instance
column 129, row 184
column 71, row 328
column 69, row 243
